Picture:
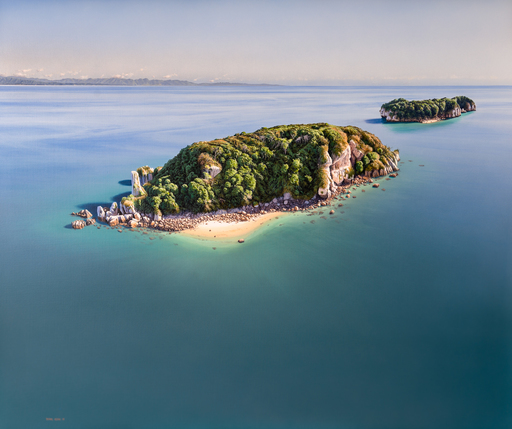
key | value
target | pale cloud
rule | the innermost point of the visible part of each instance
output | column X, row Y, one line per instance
column 123, row 75
column 169, row 76
column 22, row 73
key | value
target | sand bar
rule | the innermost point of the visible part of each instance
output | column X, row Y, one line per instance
column 214, row 230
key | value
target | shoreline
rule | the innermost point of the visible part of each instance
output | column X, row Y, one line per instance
column 232, row 224
column 235, row 223
column 215, row 230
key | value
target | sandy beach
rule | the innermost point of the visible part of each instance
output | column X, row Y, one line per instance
column 215, row 230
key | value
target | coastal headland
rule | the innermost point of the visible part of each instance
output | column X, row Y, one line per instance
column 426, row 111
column 249, row 177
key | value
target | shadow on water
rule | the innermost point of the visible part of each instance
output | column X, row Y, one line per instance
column 117, row 198
column 375, row 121
column 93, row 206
column 68, row 226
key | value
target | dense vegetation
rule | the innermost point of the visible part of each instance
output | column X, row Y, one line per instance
column 255, row 167
column 426, row 109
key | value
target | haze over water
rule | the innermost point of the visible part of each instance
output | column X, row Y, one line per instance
column 393, row 313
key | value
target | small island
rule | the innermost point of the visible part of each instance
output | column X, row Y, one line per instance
column 240, row 177
column 426, row 111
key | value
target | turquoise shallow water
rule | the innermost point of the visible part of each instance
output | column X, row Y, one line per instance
column 393, row 313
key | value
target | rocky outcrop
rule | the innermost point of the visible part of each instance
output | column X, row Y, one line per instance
column 101, row 214
column 468, row 107
column 338, row 168
column 135, row 184
column 325, row 191
column 114, row 210
column 341, row 165
column 140, row 177
column 78, row 224
column 84, row 213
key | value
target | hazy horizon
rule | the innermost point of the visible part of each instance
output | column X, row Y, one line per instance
column 368, row 42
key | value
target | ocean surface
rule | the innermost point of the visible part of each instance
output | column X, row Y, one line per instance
column 396, row 312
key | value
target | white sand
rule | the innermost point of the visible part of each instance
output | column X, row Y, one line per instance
column 214, row 230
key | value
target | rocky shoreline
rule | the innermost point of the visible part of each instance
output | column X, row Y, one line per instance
column 121, row 216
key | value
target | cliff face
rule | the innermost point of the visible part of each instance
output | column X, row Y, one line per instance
column 426, row 111
column 339, row 168
column 251, row 168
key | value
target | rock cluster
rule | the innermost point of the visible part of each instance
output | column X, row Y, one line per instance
column 83, row 213
column 181, row 222
column 125, row 215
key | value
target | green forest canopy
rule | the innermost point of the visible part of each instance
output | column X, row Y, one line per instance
column 425, row 109
column 255, row 167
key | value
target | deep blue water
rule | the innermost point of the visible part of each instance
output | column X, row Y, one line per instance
column 394, row 313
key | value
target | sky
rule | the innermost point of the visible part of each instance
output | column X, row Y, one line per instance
column 301, row 42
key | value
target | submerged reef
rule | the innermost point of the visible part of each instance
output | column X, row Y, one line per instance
column 426, row 111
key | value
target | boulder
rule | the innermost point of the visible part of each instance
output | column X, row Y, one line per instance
column 84, row 213
column 376, row 185
column 241, row 240
column 324, row 193
column 90, row 221
column 113, row 221
column 114, row 209
column 100, row 212
column 78, row 224
column 133, row 223
column 212, row 170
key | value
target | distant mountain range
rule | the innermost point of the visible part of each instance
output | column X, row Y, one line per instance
column 16, row 80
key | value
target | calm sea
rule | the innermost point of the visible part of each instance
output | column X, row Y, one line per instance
column 396, row 312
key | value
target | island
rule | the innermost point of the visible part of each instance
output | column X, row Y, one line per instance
column 115, row 81
column 240, row 177
column 426, row 111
